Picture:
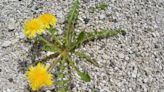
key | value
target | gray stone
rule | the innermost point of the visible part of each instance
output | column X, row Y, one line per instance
column 48, row 91
column 126, row 58
column 12, row 24
column 21, row 35
column 61, row 16
column 121, row 55
column 134, row 73
column 102, row 16
column 6, row 43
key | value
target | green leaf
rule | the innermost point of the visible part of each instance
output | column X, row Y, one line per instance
column 63, row 89
column 102, row 6
column 81, row 37
column 87, row 58
column 61, row 75
column 104, row 33
column 79, row 40
column 53, row 31
column 55, row 38
column 50, row 48
column 72, row 64
column 62, row 82
column 84, row 76
column 70, row 25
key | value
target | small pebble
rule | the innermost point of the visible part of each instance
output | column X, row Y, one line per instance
column 12, row 24
column 86, row 20
column 102, row 16
column 10, row 79
column 48, row 91
column 121, row 55
column 6, row 43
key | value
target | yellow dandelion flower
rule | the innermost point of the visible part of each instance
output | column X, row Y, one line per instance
column 39, row 77
column 33, row 27
column 48, row 19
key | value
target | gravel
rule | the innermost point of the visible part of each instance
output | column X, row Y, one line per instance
column 130, row 62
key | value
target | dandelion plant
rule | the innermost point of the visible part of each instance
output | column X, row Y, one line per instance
column 63, row 46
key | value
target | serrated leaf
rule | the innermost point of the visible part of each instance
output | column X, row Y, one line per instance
column 84, row 76
column 70, row 25
column 87, row 58
column 81, row 37
column 72, row 64
column 104, row 33
column 79, row 40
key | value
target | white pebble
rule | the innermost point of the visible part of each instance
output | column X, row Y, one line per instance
column 6, row 43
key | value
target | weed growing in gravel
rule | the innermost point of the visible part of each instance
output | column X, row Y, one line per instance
column 63, row 46
column 100, row 6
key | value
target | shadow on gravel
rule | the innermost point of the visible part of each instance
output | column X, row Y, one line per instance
column 33, row 54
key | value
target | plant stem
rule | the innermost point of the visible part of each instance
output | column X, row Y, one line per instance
column 69, row 72
column 54, row 63
column 45, row 41
column 71, row 63
column 54, row 36
column 57, row 40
